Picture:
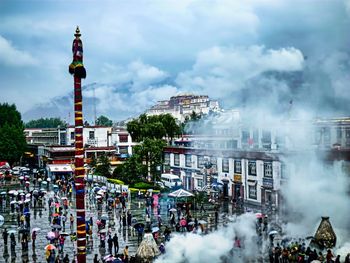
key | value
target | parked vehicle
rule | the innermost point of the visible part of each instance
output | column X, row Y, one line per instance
column 171, row 180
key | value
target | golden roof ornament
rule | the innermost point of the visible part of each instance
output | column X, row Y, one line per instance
column 325, row 236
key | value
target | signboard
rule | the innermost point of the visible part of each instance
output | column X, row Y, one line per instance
column 237, row 178
column 268, row 182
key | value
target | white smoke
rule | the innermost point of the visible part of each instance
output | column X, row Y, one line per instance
column 214, row 246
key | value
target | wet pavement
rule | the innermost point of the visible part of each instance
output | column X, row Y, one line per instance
column 126, row 236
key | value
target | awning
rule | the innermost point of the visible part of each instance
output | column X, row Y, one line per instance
column 59, row 168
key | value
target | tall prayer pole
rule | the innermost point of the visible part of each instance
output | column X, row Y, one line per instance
column 76, row 68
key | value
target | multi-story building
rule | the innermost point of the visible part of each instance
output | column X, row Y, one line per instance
column 249, row 162
column 56, row 145
column 183, row 105
column 252, row 176
column 45, row 136
column 122, row 140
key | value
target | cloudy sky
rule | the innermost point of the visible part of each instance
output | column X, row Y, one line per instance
column 137, row 52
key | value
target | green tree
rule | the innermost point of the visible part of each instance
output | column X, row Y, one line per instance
column 46, row 123
column 103, row 166
column 131, row 171
column 12, row 139
column 104, row 121
column 153, row 127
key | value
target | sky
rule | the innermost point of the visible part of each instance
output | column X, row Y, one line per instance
column 260, row 52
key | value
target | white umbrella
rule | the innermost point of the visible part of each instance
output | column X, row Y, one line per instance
column 101, row 192
column 28, row 195
column 2, row 220
column 180, row 193
column 27, row 200
column 172, row 210
column 12, row 192
column 13, row 202
column 36, row 229
column 273, row 232
column 202, row 222
column 155, row 229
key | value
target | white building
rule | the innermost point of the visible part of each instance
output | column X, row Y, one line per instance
column 183, row 105
column 122, row 140
column 94, row 136
column 251, row 176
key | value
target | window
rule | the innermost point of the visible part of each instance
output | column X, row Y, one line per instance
column 256, row 138
column 123, row 150
column 267, row 169
column 284, row 171
column 339, row 133
column 327, row 135
column 225, row 165
column 252, row 191
column 200, row 161
column 166, row 158
column 72, row 136
column 200, row 183
column 347, row 136
column 251, row 168
column 176, row 159
column 123, row 138
column 238, row 167
column 188, row 160
column 266, row 137
column 91, row 135
column 214, row 161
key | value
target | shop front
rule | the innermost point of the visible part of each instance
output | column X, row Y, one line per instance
column 237, row 188
column 268, row 195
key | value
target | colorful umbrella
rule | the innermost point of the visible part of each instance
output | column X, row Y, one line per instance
column 51, row 235
column 50, row 247
column 259, row 215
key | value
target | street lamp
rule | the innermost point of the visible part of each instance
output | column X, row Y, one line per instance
column 208, row 165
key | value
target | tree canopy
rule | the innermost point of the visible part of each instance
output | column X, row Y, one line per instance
column 104, row 121
column 46, row 123
column 144, row 161
column 103, row 166
column 153, row 127
column 12, row 139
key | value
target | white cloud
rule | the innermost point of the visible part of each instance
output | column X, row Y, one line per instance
column 11, row 56
column 219, row 70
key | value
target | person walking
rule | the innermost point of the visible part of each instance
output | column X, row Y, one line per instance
column 116, row 244
column 71, row 219
column 126, row 254
column 96, row 259
column 5, row 235
column 13, row 242
column 66, row 259
column 110, row 244
column 33, row 238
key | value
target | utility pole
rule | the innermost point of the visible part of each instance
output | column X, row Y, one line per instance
column 76, row 68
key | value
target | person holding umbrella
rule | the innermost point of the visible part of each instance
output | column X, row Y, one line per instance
column 61, row 240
